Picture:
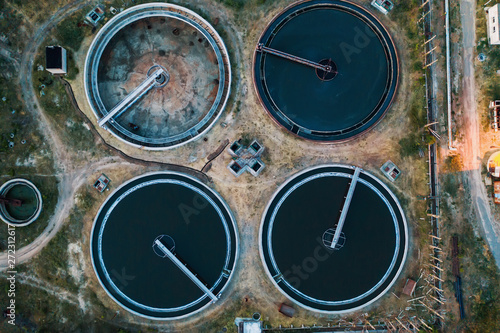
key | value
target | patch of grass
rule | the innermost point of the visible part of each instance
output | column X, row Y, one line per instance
column 406, row 15
column 52, row 263
column 12, row 27
column 14, row 121
column 481, row 283
column 70, row 32
column 450, row 185
column 454, row 163
column 56, row 103
column 33, row 305
column 23, row 160
column 234, row 4
column 38, row 10
column 73, row 70
column 409, row 146
column 489, row 80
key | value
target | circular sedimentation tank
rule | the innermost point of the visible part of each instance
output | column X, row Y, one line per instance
column 150, row 109
column 164, row 246
column 298, row 227
column 326, row 70
column 21, row 204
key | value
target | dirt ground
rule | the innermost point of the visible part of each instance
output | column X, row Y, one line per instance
column 285, row 155
column 247, row 196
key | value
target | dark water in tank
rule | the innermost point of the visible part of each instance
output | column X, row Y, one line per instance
column 360, row 58
column 29, row 202
column 333, row 275
column 161, row 209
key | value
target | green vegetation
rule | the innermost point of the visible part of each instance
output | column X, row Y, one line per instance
column 450, row 186
column 12, row 27
column 45, row 311
column 37, row 11
column 489, row 81
column 52, row 263
column 454, row 163
column 479, row 273
column 410, row 145
column 481, row 283
column 234, row 4
column 29, row 158
column 55, row 102
column 406, row 14
column 16, row 125
column 71, row 32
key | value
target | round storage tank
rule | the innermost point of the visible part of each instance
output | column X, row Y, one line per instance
column 326, row 70
column 20, row 202
column 157, row 76
column 164, row 246
column 298, row 231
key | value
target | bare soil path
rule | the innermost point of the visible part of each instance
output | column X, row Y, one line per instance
column 471, row 146
column 68, row 187
column 70, row 179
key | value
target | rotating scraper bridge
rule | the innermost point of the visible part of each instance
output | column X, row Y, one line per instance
column 107, row 117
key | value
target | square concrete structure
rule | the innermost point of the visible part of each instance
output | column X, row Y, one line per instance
column 246, row 158
column 390, row 170
column 95, row 15
column 287, row 310
column 101, row 183
column 55, row 60
column 248, row 325
column 492, row 25
column 385, row 6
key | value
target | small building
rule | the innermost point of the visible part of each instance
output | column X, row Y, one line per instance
column 249, row 325
column 494, row 165
column 55, row 60
column 495, row 115
column 492, row 26
column 95, row 15
column 390, row 170
column 496, row 192
column 409, row 287
column 385, row 6
column 101, row 183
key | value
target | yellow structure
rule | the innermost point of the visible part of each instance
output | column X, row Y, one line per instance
column 494, row 165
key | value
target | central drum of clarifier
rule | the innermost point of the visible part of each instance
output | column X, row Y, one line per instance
column 297, row 230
